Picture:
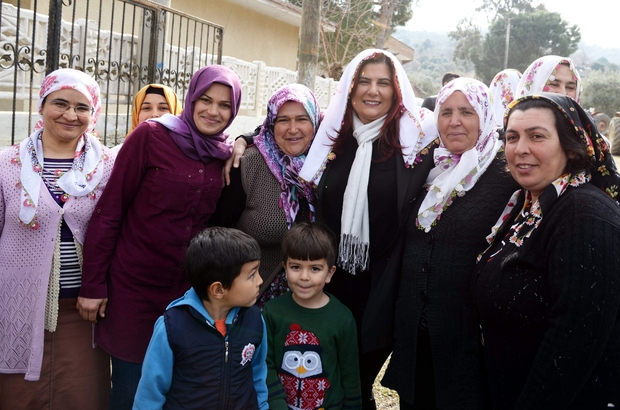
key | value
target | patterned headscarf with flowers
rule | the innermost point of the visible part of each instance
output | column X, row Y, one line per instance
column 285, row 168
column 503, row 89
column 602, row 174
column 87, row 169
column 455, row 174
column 541, row 72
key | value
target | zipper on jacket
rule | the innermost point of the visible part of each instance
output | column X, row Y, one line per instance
column 226, row 354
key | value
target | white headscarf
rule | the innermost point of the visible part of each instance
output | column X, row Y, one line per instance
column 503, row 89
column 87, row 169
column 538, row 75
column 417, row 126
column 417, row 131
column 455, row 174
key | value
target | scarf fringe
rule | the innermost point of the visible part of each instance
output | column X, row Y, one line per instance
column 353, row 254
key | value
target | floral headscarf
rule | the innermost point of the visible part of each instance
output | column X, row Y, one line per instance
column 455, row 174
column 537, row 76
column 603, row 173
column 87, row 169
column 286, row 168
column 184, row 132
column 171, row 98
column 503, row 89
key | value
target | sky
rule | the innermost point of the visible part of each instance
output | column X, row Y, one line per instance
column 598, row 22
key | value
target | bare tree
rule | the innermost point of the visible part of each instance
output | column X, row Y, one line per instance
column 353, row 31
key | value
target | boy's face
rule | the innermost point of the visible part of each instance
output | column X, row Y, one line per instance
column 307, row 280
column 245, row 287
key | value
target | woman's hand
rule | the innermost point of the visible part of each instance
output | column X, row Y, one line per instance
column 89, row 308
column 238, row 151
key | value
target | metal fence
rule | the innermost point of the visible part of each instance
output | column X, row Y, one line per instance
column 123, row 44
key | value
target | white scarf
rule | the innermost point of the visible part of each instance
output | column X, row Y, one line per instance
column 83, row 177
column 503, row 89
column 355, row 236
column 418, row 129
column 87, row 169
column 453, row 174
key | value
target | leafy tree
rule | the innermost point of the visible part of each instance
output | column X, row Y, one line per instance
column 468, row 41
column 432, row 60
column 601, row 91
column 533, row 34
column 505, row 6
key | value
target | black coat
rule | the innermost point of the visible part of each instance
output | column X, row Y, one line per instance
column 437, row 269
column 549, row 308
column 371, row 295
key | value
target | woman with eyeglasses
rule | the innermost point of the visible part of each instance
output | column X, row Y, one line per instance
column 49, row 186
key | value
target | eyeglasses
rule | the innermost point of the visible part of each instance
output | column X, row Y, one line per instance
column 81, row 110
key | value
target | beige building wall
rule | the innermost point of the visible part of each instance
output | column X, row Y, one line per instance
column 248, row 35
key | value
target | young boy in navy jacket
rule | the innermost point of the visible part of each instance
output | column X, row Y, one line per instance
column 208, row 350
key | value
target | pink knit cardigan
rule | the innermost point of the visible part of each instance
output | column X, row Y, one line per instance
column 26, row 262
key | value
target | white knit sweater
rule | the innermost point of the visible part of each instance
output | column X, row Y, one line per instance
column 26, row 262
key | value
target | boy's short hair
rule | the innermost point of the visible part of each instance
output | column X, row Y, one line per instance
column 217, row 254
column 310, row 241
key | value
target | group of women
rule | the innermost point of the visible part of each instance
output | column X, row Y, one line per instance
column 477, row 242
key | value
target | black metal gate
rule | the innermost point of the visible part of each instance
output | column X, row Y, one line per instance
column 123, row 44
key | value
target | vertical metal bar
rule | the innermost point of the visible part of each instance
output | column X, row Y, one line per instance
column 15, row 70
column 53, row 36
column 97, row 48
column 130, row 89
column 33, row 68
column 170, row 53
column 84, row 59
column 109, row 62
column 153, row 46
column 219, row 38
column 70, row 62
column 202, row 40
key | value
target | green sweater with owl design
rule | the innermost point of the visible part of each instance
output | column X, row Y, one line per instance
column 312, row 358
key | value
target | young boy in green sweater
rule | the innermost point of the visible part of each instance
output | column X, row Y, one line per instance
column 312, row 357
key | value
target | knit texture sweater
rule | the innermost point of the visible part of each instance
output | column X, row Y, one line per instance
column 437, row 269
column 251, row 204
column 312, row 356
column 549, row 308
column 26, row 262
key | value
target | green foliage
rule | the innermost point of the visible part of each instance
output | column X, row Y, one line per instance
column 532, row 34
column 433, row 58
column 402, row 13
column 601, row 91
column 468, row 41
column 496, row 7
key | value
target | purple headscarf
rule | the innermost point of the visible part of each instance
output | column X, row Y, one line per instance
column 184, row 132
column 285, row 168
